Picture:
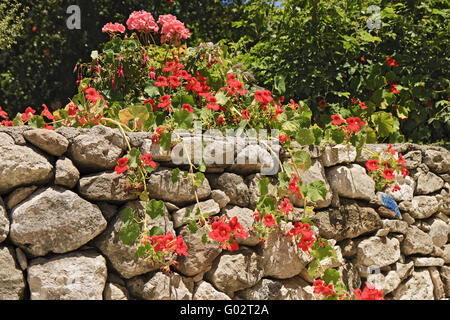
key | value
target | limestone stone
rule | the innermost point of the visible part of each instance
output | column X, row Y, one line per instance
column 160, row 286
column 349, row 221
column 276, row 251
column 395, row 226
column 97, row 150
column 200, row 256
column 246, row 219
column 154, row 149
column 18, row 195
column 108, row 210
column 439, row 291
column 160, row 187
column 137, row 139
column 69, row 133
column 378, row 251
column 351, row 181
column 220, row 197
column 268, row 289
column 5, row 139
column 4, row 222
column 386, row 213
column 444, row 202
column 16, row 133
column 437, row 160
column 105, row 186
column 418, row 287
column 208, row 207
column 115, row 291
column 234, row 271
column 350, row 276
column 12, row 282
column 233, row 186
column 413, row 159
column 47, row 140
column 446, row 253
column 54, row 220
column 337, row 154
column 439, row 232
column 205, row 291
column 445, row 276
column 348, row 248
column 122, row 256
column 255, row 158
column 406, row 192
column 422, row 207
column 428, row 262
column 66, row 174
column 74, row 276
column 416, row 242
column 428, row 183
column 21, row 166
column 21, row 259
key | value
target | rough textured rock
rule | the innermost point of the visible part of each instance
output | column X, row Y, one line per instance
column 5, row 139
column 233, row 186
column 351, row 181
column 75, row 276
column 418, row 287
column 420, row 207
column 428, row 183
column 161, row 287
column 437, row 160
column 445, row 276
column 16, row 133
column 4, row 222
column 337, row 154
column 413, row 159
column 234, row 271
column 350, row 276
column 255, row 158
column 200, row 256
column 268, row 289
column 160, row 186
column 444, row 202
column 439, row 232
column 105, row 186
column 428, row 262
column 121, row 256
column 21, row 166
column 66, row 174
column 377, row 251
column 246, row 219
column 278, row 249
column 12, row 282
column 55, row 220
column 220, row 197
column 108, row 210
column 386, row 213
column 115, row 291
column 350, row 221
column 396, row 226
column 439, row 291
column 69, row 133
column 416, row 242
column 47, row 140
column 208, row 207
column 446, row 253
column 205, row 291
column 18, row 195
column 97, row 150
column 154, row 149
column 21, row 259
column 406, row 193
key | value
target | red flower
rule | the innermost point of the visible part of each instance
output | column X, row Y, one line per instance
column 48, row 127
column 391, row 62
column 396, row 188
column 263, row 97
column 7, row 123
column 286, row 206
column 354, row 123
column 337, row 120
column 269, row 220
column 161, row 82
column 47, row 113
column 256, row 215
column 429, row 103
column 245, row 114
column 354, row 100
column 369, row 293
column 283, row 138
column 388, row 174
column 362, row 105
column 93, row 95
column 320, row 286
column 187, row 107
column 372, row 165
column 393, row 89
column 362, row 59
column 220, row 120
column 181, row 247
column 237, row 228
column 113, row 27
column 29, row 113
column 3, row 114
column 148, row 161
column 122, row 165
column 173, row 81
column 142, row 21
column 322, row 103
column 164, row 102
column 34, row 29
column 212, row 103
column 220, row 231
column 390, row 150
column 172, row 29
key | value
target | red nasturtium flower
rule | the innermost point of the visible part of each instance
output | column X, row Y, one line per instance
column 181, row 246
column 320, row 286
column 220, row 120
column 286, row 207
column 362, row 105
column 372, row 165
column 393, row 89
column 354, row 123
column 212, row 103
column 148, row 161
column 220, row 231
column 122, row 165
column 369, row 293
column 245, row 114
column 3, row 114
column 161, row 82
column 388, row 174
column 396, row 188
column 337, row 120
column 283, row 138
column 391, row 62
column 29, row 113
column 47, row 113
column 269, row 220
column 237, row 228
column 7, row 123
column 187, row 107
column 263, row 97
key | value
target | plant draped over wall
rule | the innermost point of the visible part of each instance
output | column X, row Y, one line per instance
column 151, row 81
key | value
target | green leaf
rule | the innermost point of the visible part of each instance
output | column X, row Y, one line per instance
column 317, row 190
column 279, row 84
column 337, row 135
column 283, row 178
column 127, row 215
column 384, row 123
column 290, row 127
column 305, row 137
column 133, row 113
column 155, row 209
column 143, row 196
column 183, row 119
column 36, row 122
column 165, row 140
column 199, row 177
column 175, row 175
column 193, row 226
column 133, row 158
column 151, row 90
column 331, row 276
column 263, row 186
column 204, row 238
column 312, row 268
column 302, row 159
column 318, row 134
column 221, row 98
column 156, row 231
column 187, row 215
column 202, row 165
column 129, row 233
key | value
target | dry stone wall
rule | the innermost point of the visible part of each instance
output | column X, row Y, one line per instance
column 59, row 223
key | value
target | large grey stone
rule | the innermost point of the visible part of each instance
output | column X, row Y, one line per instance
column 420, row 207
column 428, row 262
column 114, row 291
column 205, row 291
column 413, row 159
column 66, row 175
column 55, row 220
column 349, row 221
column 437, row 160
column 416, row 242
column 121, row 256
column 74, row 276
column 406, row 192
column 160, row 186
column 439, row 232
column 418, row 287
column 445, row 276
column 351, row 181
column 4, row 222
column 5, row 139
column 378, row 251
column 161, row 287
column 268, row 289
column 105, row 186
column 428, row 182
column 21, row 166
column 19, row 195
column 12, row 282
column 47, row 140
column 233, row 186
column 337, row 154
column 96, row 150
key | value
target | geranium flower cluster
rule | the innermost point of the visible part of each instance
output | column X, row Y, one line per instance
column 369, row 293
column 328, row 291
column 302, row 233
column 226, row 230
column 172, row 30
column 384, row 166
column 92, row 112
column 166, row 244
column 352, row 124
column 113, row 27
column 142, row 21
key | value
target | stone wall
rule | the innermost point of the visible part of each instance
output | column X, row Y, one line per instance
column 59, row 224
